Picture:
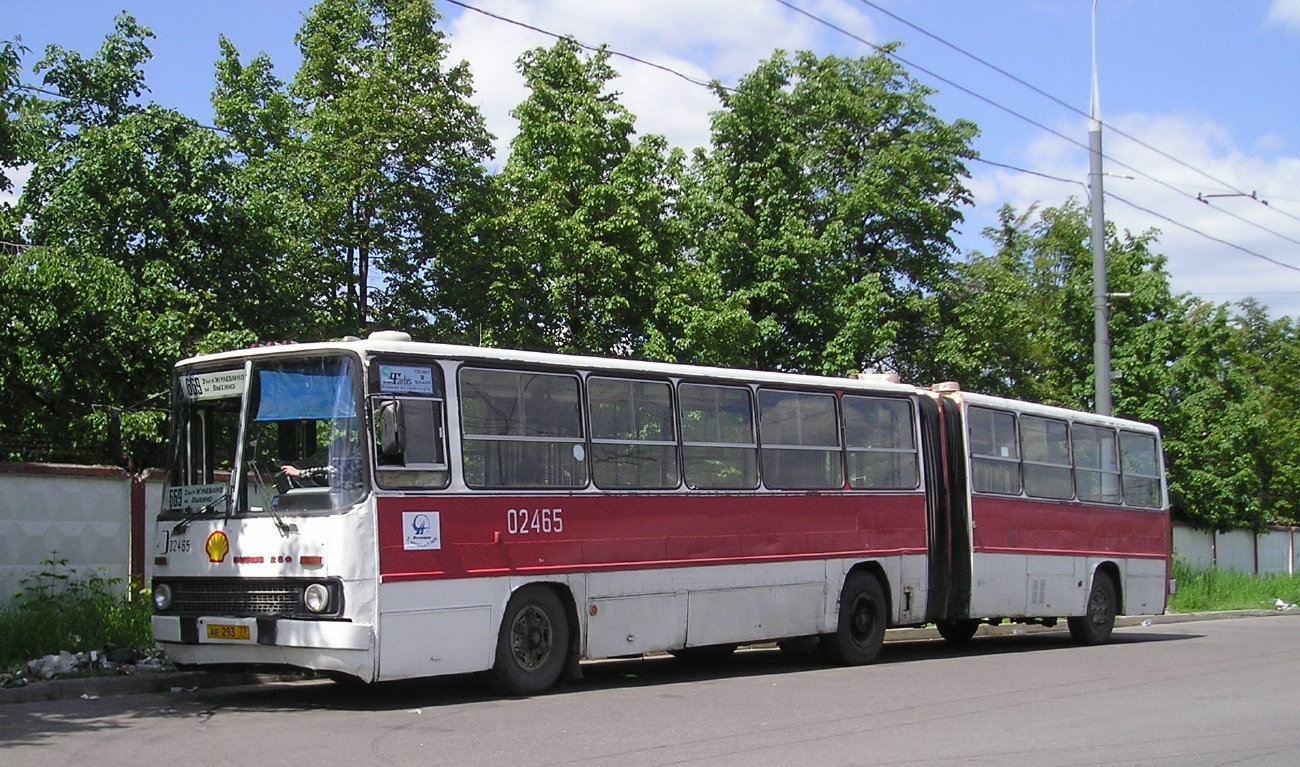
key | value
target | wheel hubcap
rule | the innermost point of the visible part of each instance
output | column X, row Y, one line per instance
column 1099, row 608
column 531, row 637
column 862, row 620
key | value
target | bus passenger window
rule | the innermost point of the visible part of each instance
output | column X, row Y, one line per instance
column 718, row 445
column 801, row 440
column 994, row 451
column 1096, row 464
column 521, row 429
column 633, row 439
column 881, row 443
column 1141, row 469
column 1045, row 445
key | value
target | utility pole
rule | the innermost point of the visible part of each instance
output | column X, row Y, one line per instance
column 1101, row 323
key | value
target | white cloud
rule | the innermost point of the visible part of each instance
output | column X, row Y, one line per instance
column 1285, row 13
column 17, row 179
column 1212, row 164
column 722, row 39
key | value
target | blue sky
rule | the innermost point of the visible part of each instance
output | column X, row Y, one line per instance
column 1202, row 87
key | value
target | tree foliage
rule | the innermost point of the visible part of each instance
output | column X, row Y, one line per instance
column 813, row 235
column 827, row 206
column 586, row 232
column 391, row 159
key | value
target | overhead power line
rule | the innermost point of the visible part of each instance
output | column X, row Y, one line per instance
column 1061, row 102
column 1117, row 198
column 580, row 44
column 1014, row 113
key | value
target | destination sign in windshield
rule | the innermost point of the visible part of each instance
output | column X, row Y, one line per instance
column 201, row 386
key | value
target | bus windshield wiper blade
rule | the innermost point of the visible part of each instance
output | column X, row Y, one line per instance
column 192, row 514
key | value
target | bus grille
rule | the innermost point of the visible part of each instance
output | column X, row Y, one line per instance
column 240, row 596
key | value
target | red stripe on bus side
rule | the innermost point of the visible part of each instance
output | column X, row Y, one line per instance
column 645, row 531
column 1016, row 525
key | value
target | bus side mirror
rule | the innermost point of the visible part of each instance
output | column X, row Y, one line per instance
column 392, row 430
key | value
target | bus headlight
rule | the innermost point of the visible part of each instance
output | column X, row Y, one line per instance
column 316, row 597
column 162, row 597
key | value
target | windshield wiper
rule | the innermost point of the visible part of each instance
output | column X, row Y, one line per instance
column 280, row 524
column 192, row 514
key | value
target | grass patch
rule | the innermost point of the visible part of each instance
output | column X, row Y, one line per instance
column 1215, row 589
column 57, row 610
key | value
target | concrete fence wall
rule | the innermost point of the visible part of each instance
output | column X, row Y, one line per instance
column 100, row 518
column 95, row 517
column 1276, row 551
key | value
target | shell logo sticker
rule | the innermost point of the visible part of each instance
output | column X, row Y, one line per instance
column 217, row 547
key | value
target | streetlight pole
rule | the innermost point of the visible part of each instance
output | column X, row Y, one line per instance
column 1101, row 325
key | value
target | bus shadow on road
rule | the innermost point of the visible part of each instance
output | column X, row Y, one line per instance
column 658, row 670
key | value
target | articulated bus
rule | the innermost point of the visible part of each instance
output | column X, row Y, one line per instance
column 385, row 509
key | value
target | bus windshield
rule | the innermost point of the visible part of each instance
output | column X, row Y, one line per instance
column 292, row 422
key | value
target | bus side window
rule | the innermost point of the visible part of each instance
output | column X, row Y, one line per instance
column 633, row 438
column 801, row 440
column 1096, row 467
column 409, row 442
column 719, row 447
column 994, row 451
column 1045, row 445
column 881, row 444
column 521, row 429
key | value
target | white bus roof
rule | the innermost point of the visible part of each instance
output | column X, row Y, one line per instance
column 393, row 342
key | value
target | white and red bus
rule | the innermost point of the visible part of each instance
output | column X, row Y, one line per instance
column 384, row 509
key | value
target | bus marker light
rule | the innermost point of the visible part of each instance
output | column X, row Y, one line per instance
column 311, row 561
column 592, row 610
column 160, row 561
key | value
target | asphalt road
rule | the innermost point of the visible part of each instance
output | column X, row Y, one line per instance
column 1197, row 693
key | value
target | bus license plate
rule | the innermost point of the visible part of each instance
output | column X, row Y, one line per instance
column 228, row 632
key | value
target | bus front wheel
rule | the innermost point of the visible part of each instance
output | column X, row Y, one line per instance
column 1095, row 627
column 861, row 631
column 532, row 643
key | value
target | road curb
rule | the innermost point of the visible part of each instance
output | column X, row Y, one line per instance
column 93, row 687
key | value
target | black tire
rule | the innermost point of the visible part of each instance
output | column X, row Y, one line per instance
column 533, row 643
column 957, row 632
column 863, row 618
column 1094, row 628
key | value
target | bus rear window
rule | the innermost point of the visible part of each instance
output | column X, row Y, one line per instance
column 1141, row 469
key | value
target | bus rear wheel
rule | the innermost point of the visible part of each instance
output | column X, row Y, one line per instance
column 532, row 643
column 861, row 631
column 957, row 632
column 1094, row 628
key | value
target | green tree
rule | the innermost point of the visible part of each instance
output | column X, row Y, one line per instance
column 826, row 206
column 586, row 226
column 1019, row 323
column 1268, row 355
column 392, row 159
column 1214, row 435
column 11, row 154
column 145, row 246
